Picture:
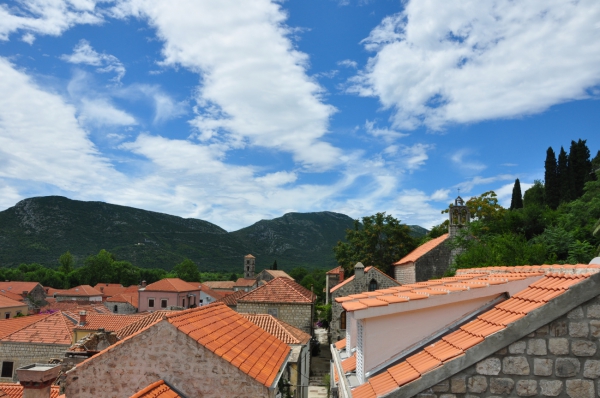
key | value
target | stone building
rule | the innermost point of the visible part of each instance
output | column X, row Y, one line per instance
column 206, row 352
column 231, row 300
column 364, row 280
column 168, row 293
column 487, row 332
column 333, row 278
column 85, row 323
column 267, row 275
column 32, row 339
column 427, row 261
column 284, row 299
column 31, row 293
column 10, row 308
column 125, row 303
column 249, row 266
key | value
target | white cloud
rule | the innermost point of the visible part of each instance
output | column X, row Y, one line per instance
column 28, row 38
column 386, row 134
column 440, row 195
column 468, row 186
column 83, row 53
column 415, row 156
column 8, row 195
column 440, row 62
column 254, row 83
column 348, row 63
column 460, row 161
column 46, row 17
column 165, row 107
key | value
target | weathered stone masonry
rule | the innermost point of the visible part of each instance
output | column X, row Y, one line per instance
column 560, row 359
column 22, row 354
column 298, row 315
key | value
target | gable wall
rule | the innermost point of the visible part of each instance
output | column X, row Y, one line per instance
column 22, row 354
column 559, row 359
column 354, row 287
column 122, row 308
column 434, row 263
column 298, row 315
column 160, row 352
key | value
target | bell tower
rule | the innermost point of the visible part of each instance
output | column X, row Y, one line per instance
column 249, row 266
column 459, row 216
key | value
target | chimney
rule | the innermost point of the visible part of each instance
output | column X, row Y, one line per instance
column 82, row 318
column 143, row 283
column 341, row 275
column 37, row 379
column 359, row 271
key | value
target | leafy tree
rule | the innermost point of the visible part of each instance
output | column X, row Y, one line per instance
column 535, row 195
column 580, row 252
column 379, row 240
column 187, row 270
column 298, row 274
column 233, row 277
column 562, row 172
column 551, row 181
column 66, row 263
column 437, row 231
column 516, row 201
column 99, row 268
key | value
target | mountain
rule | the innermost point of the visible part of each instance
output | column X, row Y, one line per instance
column 41, row 229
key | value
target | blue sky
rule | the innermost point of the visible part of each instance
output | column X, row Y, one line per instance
column 234, row 111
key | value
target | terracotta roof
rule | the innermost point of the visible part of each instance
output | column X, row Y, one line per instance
column 50, row 291
column 243, row 282
column 108, row 322
column 81, row 291
column 456, row 343
column 15, row 390
column 145, row 321
column 6, row 302
column 234, row 338
column 367, row 269
column 220, row 284
column 212, row 293
column 18, row 287
column 43, row 329
column 171, row 285
column 335, row 271
column 12, row 296
column 340, row 345
column 283, row 331
column 249, row 256
column 159, row 389
column 75, row 306
column 112, row 289
column 9, row 326
column 132, row 299
column 232, row 299
column 280, row 290
column 422, row 250
column 277, row 273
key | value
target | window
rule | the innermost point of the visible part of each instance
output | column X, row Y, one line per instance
column 116, row 309
column 7, row 315
column 151, row 303
column 183, row 302
column 7, row 369
column 372, row 285
column 343, row 320
column 163, row 303
column 272, row 311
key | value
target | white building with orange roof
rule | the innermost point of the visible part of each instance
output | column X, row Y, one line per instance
column 10, row 308
column 169, row 293
column 79, row 293
column 204, row 352
column 518, row 331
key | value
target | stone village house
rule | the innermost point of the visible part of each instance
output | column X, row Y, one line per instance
column 486, row 332
column 169, row 293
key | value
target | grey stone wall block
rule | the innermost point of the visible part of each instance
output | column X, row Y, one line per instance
column 551, row 388
column 542, row 366
column 515, row 366
column 518, row 347
column 579, row 329
column 558, row 328
column 591, row 369
column 444, row 386
column 501, row 385
column 543, row 331
column 583, row 348
column 595, row 328
column 489, row 366
column 578, row 388
column 503, row 351
column 458, row 385
column 567, row 367
column 593, row 311
column 477, row 384
column 447, row 396
column 526, row 388
column 576, row 313
column 536, row 347
column 558, row 346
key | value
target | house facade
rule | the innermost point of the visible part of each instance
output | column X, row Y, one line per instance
column 427, row 261
column 31, row 293
column 10, row 308
column 79, row 293
column 169, row 293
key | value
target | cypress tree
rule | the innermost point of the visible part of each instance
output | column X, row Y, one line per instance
column 274, row 266
column 562, row 172
column 551, row 187
column 516, row 201
column 580, row 167
column 595, row 166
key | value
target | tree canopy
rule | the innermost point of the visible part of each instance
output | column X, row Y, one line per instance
column 187, row 270
column 379, row 240
column 516, row 201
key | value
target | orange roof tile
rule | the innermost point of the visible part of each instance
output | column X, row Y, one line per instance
column 212, row 293
column 422, row 250
column 9, row 326
column 108, row 322
column 228, row 285
column 280, row 290
column 159, row 389
column 456, row 343
column 6, row 302
column 335, row 271
column 234, row 338
column 277, row 273
column 283, row 331
column 171, row 285
column 112, row 289
column 43, row 329
column 12, row 296
column 18, row 287
column 75, row 306
column 340, row 345
column 350, row 279
column 132, row 299
column 232, row 299
column 80, row 291
column 15, row 390
column 140, row 324
column 243, row 282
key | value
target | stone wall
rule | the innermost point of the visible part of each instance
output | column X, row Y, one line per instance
column 122, row 308
column 22, row 354
column 433, row 263
column 559, row 359
column 298, row 315
column 160, row 352
column 405, row 273
column 354, row 287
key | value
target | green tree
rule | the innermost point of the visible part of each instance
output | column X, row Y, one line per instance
column 516, row 201
column 274, row 266
column 66, row 263
column 535, row 195
column 563, row 175
column 580, row 167
column 233, row 277
column 298, row 273
column 187, row 270
column 99, row 268
column 380, row 240
column 551, row 181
